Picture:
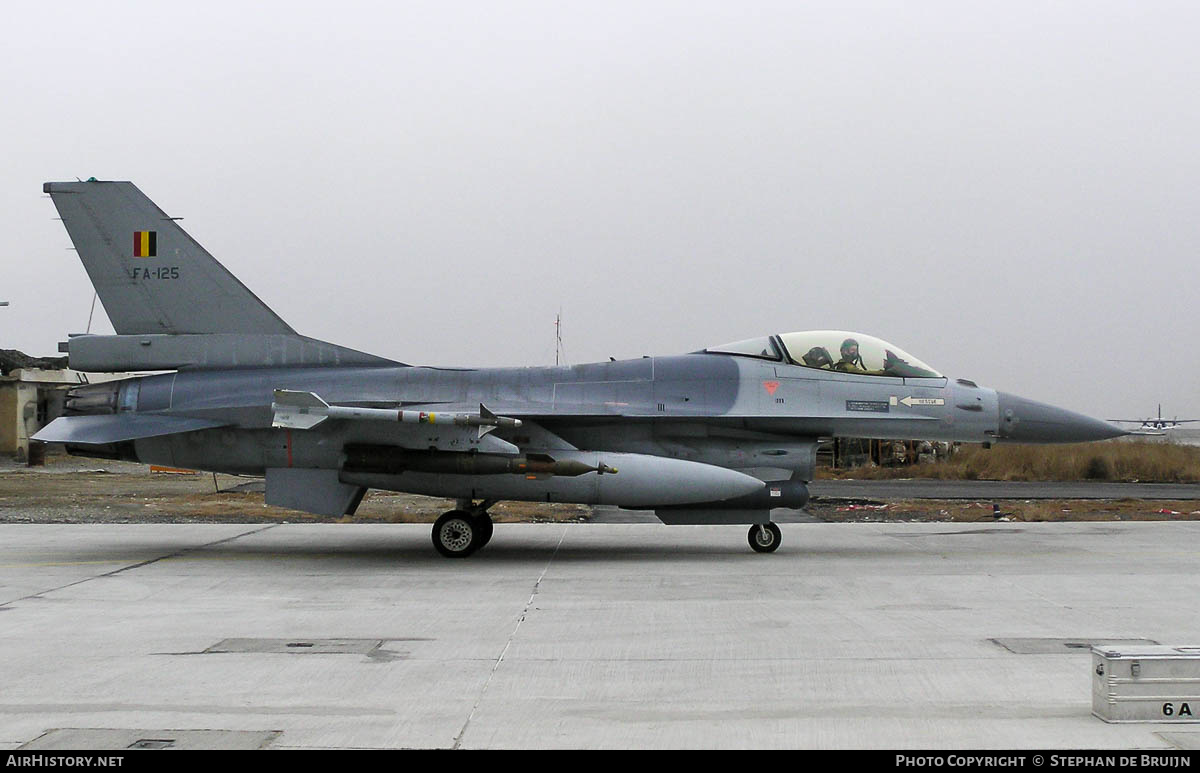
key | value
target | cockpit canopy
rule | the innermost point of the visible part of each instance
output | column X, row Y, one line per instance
column 836, row 350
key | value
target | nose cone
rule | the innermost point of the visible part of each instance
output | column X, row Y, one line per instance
column 1028, row 421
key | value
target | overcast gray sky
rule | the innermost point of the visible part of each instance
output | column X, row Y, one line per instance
column 1007, row 190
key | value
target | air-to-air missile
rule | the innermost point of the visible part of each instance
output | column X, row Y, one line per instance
column 305, row 410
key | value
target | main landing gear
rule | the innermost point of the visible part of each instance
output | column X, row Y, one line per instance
column 764, row 537
column 459, row 533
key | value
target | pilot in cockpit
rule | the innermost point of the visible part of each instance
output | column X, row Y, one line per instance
column 851, row 361
column 818, row 357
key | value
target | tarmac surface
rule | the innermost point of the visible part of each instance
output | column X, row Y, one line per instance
column 860, row 635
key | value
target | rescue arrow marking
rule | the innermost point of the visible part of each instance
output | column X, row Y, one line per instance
column 910, row 401
column 770, row 386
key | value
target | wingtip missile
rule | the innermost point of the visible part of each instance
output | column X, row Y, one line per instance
column 305, row 410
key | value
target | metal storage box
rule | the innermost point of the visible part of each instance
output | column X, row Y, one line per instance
column 1145, row 683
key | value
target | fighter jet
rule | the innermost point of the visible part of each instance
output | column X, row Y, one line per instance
column 718, row 436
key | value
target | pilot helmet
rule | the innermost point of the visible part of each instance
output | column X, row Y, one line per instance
column 817, row 357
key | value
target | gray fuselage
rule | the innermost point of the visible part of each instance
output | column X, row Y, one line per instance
column 714, row 408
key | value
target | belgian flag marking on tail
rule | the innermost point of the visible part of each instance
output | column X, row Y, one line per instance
column 145, row 244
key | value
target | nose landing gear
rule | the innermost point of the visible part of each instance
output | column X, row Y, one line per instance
column 764, row 537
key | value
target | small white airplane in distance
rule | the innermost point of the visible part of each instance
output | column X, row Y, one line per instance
column 1155, row 425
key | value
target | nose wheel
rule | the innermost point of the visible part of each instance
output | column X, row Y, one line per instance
column 459, row 533
column 764, row 537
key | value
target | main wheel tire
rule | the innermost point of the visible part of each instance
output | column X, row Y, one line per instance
column 456, row 534
column 486, row 527
column 764, row 538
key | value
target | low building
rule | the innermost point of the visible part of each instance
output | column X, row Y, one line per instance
column 32, row 393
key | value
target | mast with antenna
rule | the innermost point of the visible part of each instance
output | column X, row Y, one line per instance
column 560, row 356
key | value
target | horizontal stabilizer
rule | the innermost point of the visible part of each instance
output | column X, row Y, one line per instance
column 115, row 428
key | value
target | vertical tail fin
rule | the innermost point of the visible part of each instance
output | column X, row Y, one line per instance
column 150, row 275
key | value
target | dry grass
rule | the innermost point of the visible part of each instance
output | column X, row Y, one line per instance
column 1112, row 460
column 1027, row 511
